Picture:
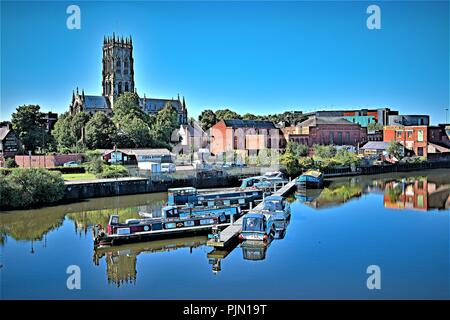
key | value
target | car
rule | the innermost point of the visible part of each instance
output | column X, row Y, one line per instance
column 168, row 167
column 71, row 164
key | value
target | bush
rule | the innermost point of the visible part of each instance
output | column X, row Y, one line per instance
column 10, row 163
column 113, row 171
column 30, row 187
column 79, row 169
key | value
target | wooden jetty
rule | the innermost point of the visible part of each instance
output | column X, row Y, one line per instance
column 230, row 233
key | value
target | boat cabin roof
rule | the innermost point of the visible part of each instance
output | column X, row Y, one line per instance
column 184, row 189
column 274, row 198
column 314, row 173
column 254, row 215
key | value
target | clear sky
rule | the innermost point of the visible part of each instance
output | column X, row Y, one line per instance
column 257, row 57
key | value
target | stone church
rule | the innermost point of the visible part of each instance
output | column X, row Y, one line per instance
column 118, row 77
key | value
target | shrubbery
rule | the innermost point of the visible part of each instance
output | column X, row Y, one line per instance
column 113, row 171
column 30, row 187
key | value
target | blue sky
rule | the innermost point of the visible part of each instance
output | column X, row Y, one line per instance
column 257, row 57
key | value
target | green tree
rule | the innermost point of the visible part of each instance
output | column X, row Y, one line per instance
column 28, row 124
column 207, row 119
column 136, row 131
column 100, row 131
column 127, row 105
column 324, row 151
column 396, row 149
column 63, row 133
column 298, row 150
column 291, row 163
column 165, row 123
column 226, row 114
column 249, row 116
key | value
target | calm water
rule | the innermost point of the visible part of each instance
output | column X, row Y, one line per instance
column 398, row 222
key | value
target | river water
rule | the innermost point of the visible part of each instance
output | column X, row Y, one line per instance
column 397, row 222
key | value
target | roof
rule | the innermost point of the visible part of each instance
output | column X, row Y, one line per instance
column 437, row 148
column 96, row 102
column 4, row 132
column 314, row 121
column 273, row 198
column 254, row 215
column 260, row 124
column 154, row 104
column 142, row 152
column 377, row 145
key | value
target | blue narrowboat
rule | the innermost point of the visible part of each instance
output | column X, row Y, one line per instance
column 279, row 209
column 190, row 195
column 310, row 179
column 257, row 227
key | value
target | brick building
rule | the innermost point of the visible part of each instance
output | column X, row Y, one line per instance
column 246, row 137
column 413, row 138
column 326, row 130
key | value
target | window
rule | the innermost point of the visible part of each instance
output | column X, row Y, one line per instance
column 331, row 137
column 420, row 135
column 347, row 137
column 126, row 87
column 118, row 64
column 119, row 87
column 125, row 64
column 409, row 134
column 339, row 140
column 398, row 134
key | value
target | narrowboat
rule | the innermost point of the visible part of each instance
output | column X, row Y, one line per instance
column 279, row 209
column 189, row 210
column 266, row 181
column 173, row 223
column 310, row 179
column 257, row 226
column 207, row 198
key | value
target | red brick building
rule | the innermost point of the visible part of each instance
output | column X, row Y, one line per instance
column 246, row 137
column 326, row 130
column 413, row 138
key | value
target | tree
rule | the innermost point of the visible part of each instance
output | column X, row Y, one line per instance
column 290, row 162
column 298, row 150
column 226, row 114
column 136, row 131
column 249, row 116
column 396, row 149
column 324, row 151
column 28, row 124
column 127, row 104
column 373, row 126
column 165, row 123
column 207, row 119
column 100, row 131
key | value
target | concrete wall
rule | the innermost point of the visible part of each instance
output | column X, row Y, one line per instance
column 77, row 191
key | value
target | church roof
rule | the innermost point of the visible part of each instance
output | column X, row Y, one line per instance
column 4, row 132
column 153, row 104
column 96, row 102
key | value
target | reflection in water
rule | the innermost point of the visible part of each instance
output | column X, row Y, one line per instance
column 418, row 191
column 121, row 260
column 407, row 192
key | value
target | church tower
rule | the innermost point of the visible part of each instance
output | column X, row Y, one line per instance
column 118, row 67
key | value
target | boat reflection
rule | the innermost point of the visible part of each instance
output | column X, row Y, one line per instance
column 121, row 260
column 401, row 192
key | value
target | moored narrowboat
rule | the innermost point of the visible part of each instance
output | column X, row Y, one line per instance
column 257, row 227
column 310, row 179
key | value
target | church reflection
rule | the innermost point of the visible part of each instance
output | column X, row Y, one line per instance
column 121, row 260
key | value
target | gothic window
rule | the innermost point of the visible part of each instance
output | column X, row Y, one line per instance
column 119, row 88
column 126, row 64
column 126, row 87
column 118, row 63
